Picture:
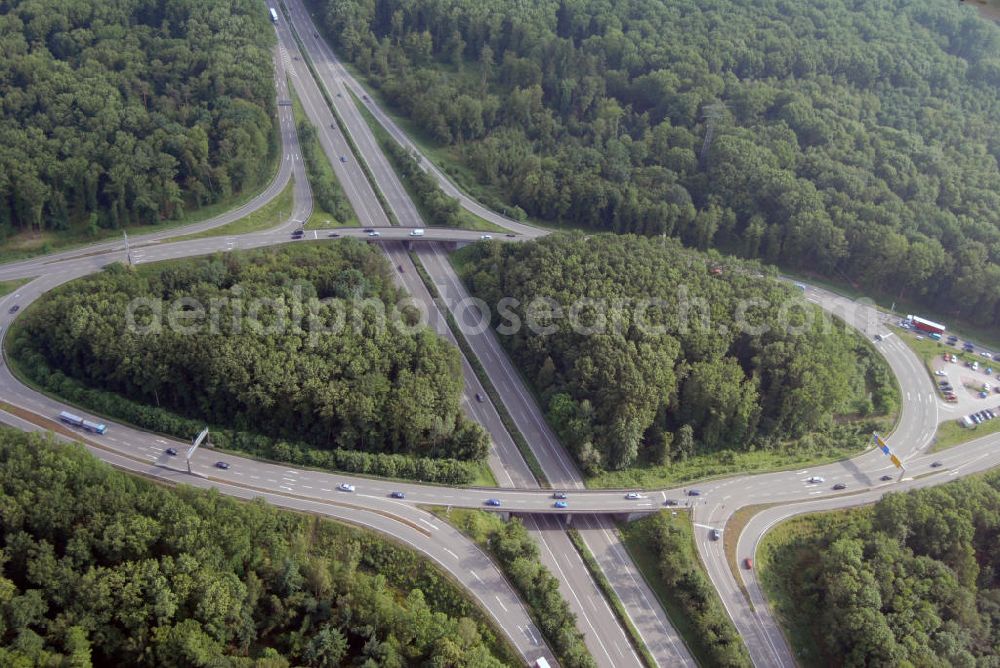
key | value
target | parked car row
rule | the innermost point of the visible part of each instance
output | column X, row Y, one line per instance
column 979, row 417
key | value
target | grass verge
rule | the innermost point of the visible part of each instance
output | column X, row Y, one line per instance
column 320, row 170
column 951, row 433
column 609, row 593
column 640, row 542
column 270, row 215
column 734, row 527
column 7, row 287
column 477, row 367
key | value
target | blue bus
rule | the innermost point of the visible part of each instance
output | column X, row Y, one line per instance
column 77, row 421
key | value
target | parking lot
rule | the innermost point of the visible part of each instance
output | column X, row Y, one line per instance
column 965, row 389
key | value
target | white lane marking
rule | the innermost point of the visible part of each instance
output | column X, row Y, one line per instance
column 501, row 603
column 430, row 524
column 287, row 489
column 451, row 553
column 324, row 489
column 476, row 575
column 818, row 491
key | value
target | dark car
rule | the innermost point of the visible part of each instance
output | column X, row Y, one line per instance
column 316, row 34
column 400, row 268
column 886, row 478
column 479, row 397
column 492, row 502
column 694, row 492
column 343, row 159
column 297, row 234
column 715, row 534
column 222, row 465
column 171, row 451
column 748, row 564
column 840, row 485
column 369, row 229
column 398, row 495
column 333, row 235
column 13, row 309
column 936, row 465
column 510, row 235
column 670, row 502
column 559, row 495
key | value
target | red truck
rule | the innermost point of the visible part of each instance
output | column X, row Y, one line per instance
column 925, row 325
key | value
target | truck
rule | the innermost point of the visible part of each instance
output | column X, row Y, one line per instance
column 925, row 325
column 419, row 232
column 274, row 15
column 77, row 421
column 540, row 662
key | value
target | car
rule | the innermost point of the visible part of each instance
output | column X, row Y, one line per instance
column 364, row 97
column 939, row 372
column 493, row 502
column 559, row 495
column 983, row 395
column 951, row 399
column 295, row 57
column 369, row 229
column 398, row 495
column 990, row 413
column 399, row 267
column 486, row 236
column 840, row 485
column 936, row 465
column 298, row 234
column 975, row 418
column 632, row 496
column 748, row 564
column 816, row 479
column 479, row 397
column 340, row 95
column 374, row 233
column 886, row 478
column 561, row 504
column 952, row 337
column 670, row 502
column 222, row 465
column 13, row 309
column 171, row 451
column 694, row 492
column 714, row 534
column 343, row 159
column 345, row 487
column 510, row 235
column 987, row 355
column 316, row 34
column 333, row 235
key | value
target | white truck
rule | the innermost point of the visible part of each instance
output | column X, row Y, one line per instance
column 419, row 232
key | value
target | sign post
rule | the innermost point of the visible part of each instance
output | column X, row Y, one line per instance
column 194, row 446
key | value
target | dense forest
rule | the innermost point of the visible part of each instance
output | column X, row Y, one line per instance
column 101, row 568
column 914, row 581
column 624, row 383
column 130, row 112
column 709, row 632
column 854, row 138
column 282, row 367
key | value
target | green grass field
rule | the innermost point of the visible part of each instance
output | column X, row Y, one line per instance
column 270, row 215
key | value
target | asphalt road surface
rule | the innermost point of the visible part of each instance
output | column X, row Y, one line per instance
column 370, row 503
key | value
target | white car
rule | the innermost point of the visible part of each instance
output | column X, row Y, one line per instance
column 374, row 233
column 486, row 236
column 633, row 496
column 816, row 479
column 939, row 372
column 345, row 487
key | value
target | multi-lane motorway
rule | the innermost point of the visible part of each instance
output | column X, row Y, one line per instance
column 371, row 504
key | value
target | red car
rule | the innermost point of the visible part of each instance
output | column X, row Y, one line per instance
column 748, row 564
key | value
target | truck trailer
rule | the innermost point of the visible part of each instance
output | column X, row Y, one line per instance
column 925, row 325
column 77, row 421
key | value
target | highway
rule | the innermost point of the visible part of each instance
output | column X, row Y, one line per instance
column 605, row 638
column 590, row 511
